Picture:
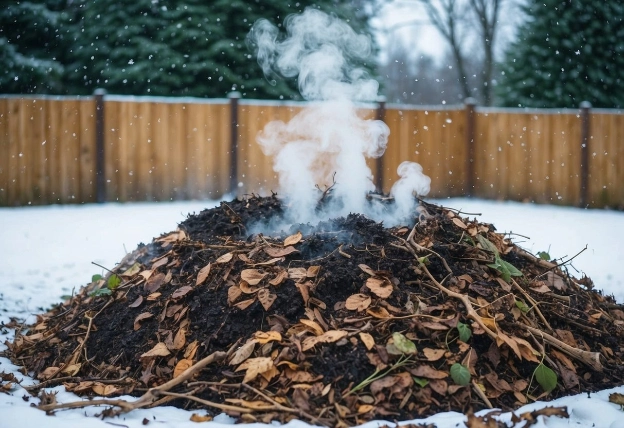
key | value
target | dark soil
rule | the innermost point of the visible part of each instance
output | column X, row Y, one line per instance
column 306, row 322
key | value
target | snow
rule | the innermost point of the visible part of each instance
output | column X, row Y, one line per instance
column 45, row 252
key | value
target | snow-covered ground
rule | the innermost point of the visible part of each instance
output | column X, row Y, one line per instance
column 45, row 252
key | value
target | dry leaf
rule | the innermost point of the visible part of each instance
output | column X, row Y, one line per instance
column 159, row 350
column 433, row 354
column 154, row 283
column 198, row 418
column 380, row 313
column 293, row 239
column 242, row 305
column 139, row 318
column 270, row 262
column 254, row 367
column 280, row 252
column 316, row 328
column 132, row 270
column 181, row 292
column 191, row 349
column 243, row 352
column 136, row 303
column 247, row 289
column 234, row 293
column 281, row 276
column 304, row 290
column 368, row 340
column 160, row 262
column 327, row 337
column 380, row 287
column 179, row 340
column 459, row 223
column 225, row 258
column 367, row 269
column 104, row 390
column 428, row 372
column 358, row 302
column 313, row 271
column 182, row 365
column 252, row 276
column 203, row 274
column 266, row 298
column 71, row 369
column 263, row 337
column 297, row 273
column 154, row 296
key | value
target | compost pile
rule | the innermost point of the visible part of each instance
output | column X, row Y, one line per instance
column 335, row 324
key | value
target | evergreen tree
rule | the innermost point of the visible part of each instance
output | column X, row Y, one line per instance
column 567, row 52
column 29, row 48
column 176, row 47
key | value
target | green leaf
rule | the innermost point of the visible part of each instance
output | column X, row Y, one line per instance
column 543, row 255
column 522, row 306
column 96, row 277
column 486, row 244
column 464, row 332
column 100, row 292
column 423, row 260
column 113, row 282
column 513, row 271
column 403, row 344
column 546, row 377
column 420, row 381
column 460, row 374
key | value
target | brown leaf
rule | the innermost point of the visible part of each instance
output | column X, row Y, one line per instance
column 154, row 296
column 617, row 398
column 234, row 293
column 270, row 262
column 181, row 292
column 225, row 258
column 247, row 289
column 191, row 349
column 254, row 367
column 381, row 287
column 380, row 384
column 315, row 327
column 132, row 270
column 203, row 274
column 281, row 276
column 154, row 283
column 198, row 418
column 160, row 262
column 252, row 276
column 179, row 340
column 459, row 223
column 159, row 350
column 313, row 271
column 358, row 302
column 139, row 318
column 428, row 372
column 266, row 298
column 293, row 239
column 327, row 337
column 380, row 313
column 244, row 304
column 304, row 290
column 182, row 365
column 439, row 386
column 297, row 273
column 136, row 303
column 243, row 352
column 104, row 390
column 433, row 354
column 280, row 252
column 367, row 269
column 368, row 340
column 263, row 337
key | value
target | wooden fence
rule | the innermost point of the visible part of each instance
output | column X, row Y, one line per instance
column 110, row 148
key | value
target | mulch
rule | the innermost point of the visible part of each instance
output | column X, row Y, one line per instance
column 335, row 324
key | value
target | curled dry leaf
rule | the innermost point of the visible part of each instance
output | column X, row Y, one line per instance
column 266, row 298
column 252, row 276
column 358, row 302
column 367, row 269
column 381, row 287
column 313, row 271
column 234, row 293
column 280, row 252
column 254, row 367
column 199, row 418
column 159, row 350
column 139, row 318
column 314, row 326
column 297, row 273
column 459, row 223
column 271, row 262
column 368, row 340
column 246, row 288
column 191, row 349
column 203, row 274
column 181, row 292
column 428, row 372
column 433, row 354
column 279, row 278
column 243, row 352
column 104, row 390
column 263, row 337
column 242, row 305
column 293, row 239
column 182, row 365
column 379, row 313
column 330, row 336
column 225, row 258
column 179, row 340
column 136, row 303
column 154, row 283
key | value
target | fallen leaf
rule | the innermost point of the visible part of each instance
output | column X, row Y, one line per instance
column 367, row 269
column 132, row 270
column 234, row 293
column 380, row 287
column 179, row 340
column 104, row 390
column 293, row 239
column 182, row 365
column 181, row 292
column 244, row 304
column 266, row 298
column 313, row 271
column 279, row 278
column 617, row 398
column 459, row 223
column 198, row 418
column 136, row 303
column 280, row 252
column 160, row 262
column 154, row 296
column 203, row 274
column 71, row 369
column 270, row 262
column 159, row 350
column 297, row 273
column 247, row 289
column 358, row 302
column 256, row 405
column 191, row 349
column 428, row 372
column 225, row 258
column 327, row 337
column 315, row 327
column 433, row 354
column 154, row 283
column 254, row 367
column 263, row 337
column 304, row 290
column 252, row 276
column 141, row 317
column 242, row 353
column 368, row 340
column 380, row 313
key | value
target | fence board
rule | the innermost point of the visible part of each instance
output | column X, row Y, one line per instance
column 5, row 154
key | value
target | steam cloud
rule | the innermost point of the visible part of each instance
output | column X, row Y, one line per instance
column 328, row 137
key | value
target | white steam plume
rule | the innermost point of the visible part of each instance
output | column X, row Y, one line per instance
column 328, row 137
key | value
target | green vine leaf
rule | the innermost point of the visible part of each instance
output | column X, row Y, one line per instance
column 460, row 374
column 522, row 306
column 100, row 292
column 403, row 344
column 464, row 331
column 113, row 282
column 543, row 255
column 546, row 377
column 420, row 381
column 96, row 277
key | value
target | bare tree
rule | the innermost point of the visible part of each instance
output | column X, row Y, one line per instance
column 487, row 12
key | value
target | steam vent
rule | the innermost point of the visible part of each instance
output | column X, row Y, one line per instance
column 334, row 324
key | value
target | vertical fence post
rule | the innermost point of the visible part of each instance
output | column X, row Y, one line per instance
column 100, row 158
column 470, row 104
column 585, row 107
column 234, row 97
column 379, row 163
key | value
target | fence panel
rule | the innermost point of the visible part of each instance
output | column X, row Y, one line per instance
column 606, row 154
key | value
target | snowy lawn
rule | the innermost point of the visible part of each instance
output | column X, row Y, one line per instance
column 45, row 252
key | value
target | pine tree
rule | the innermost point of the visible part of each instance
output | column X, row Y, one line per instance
column 567, row 52
column 175, row 47
column 28, row 48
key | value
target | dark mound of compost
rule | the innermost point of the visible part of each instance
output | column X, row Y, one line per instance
column 336, row 324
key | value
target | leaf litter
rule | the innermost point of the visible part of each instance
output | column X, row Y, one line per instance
column 336, row 324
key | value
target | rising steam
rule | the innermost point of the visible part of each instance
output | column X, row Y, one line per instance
column 328, row 141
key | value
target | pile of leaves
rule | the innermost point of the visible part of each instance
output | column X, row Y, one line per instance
column 335, row 324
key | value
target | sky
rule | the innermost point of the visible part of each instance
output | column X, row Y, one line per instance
column 45, row 252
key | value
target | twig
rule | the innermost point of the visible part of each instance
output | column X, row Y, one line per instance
column 481, row 395
column 533, row 302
